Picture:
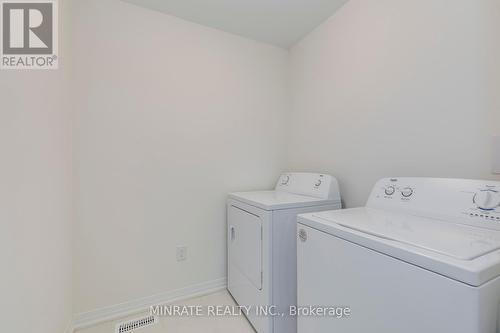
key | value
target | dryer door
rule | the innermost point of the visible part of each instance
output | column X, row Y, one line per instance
column 245, row 246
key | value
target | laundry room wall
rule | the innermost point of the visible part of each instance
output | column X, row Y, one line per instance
column 395, row 88
column 36, row 194
column 172, row 116
column 492, row 7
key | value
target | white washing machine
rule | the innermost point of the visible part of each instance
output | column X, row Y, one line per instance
column 262, row 251
column 422, row 256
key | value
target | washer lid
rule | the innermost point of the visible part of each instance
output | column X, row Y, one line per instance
column 465, row 253
column 274, row 200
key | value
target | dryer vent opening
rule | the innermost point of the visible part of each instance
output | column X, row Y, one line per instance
column 132, row 325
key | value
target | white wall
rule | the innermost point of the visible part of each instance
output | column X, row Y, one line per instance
column 395, row 88
column 171, row 116
column 492, row 20
column 174, row 116
column 35, row 196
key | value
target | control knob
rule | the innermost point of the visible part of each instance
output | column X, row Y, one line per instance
column 390, row 190
column 487, row 199
column 407, row 192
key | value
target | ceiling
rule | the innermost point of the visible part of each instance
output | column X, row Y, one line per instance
column 278, row 22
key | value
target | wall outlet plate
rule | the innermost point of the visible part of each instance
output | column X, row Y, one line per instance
column 181, row 253
column 496, row 155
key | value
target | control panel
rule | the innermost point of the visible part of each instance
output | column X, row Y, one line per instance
column 398, row 191
column 309, row 184
column 472, row 202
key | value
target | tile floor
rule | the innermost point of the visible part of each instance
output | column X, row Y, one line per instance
column 205, row 324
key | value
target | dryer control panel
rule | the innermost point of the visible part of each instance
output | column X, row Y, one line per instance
column 315, row 185
column 473, row 202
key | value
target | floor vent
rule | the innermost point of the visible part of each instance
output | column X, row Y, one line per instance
column 131, row 325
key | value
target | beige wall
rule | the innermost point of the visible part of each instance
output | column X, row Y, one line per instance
column 35, row 197
column 173, row 117
column 394, row 88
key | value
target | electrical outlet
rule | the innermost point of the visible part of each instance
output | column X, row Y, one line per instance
column 181, row 253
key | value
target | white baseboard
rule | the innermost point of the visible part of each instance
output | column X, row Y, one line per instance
column 94, row 317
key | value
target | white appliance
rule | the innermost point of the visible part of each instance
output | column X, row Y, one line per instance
column 422, row 256
column 262, row 251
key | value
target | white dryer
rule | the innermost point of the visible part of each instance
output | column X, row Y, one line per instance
column 262, row 261
column 422, row 256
